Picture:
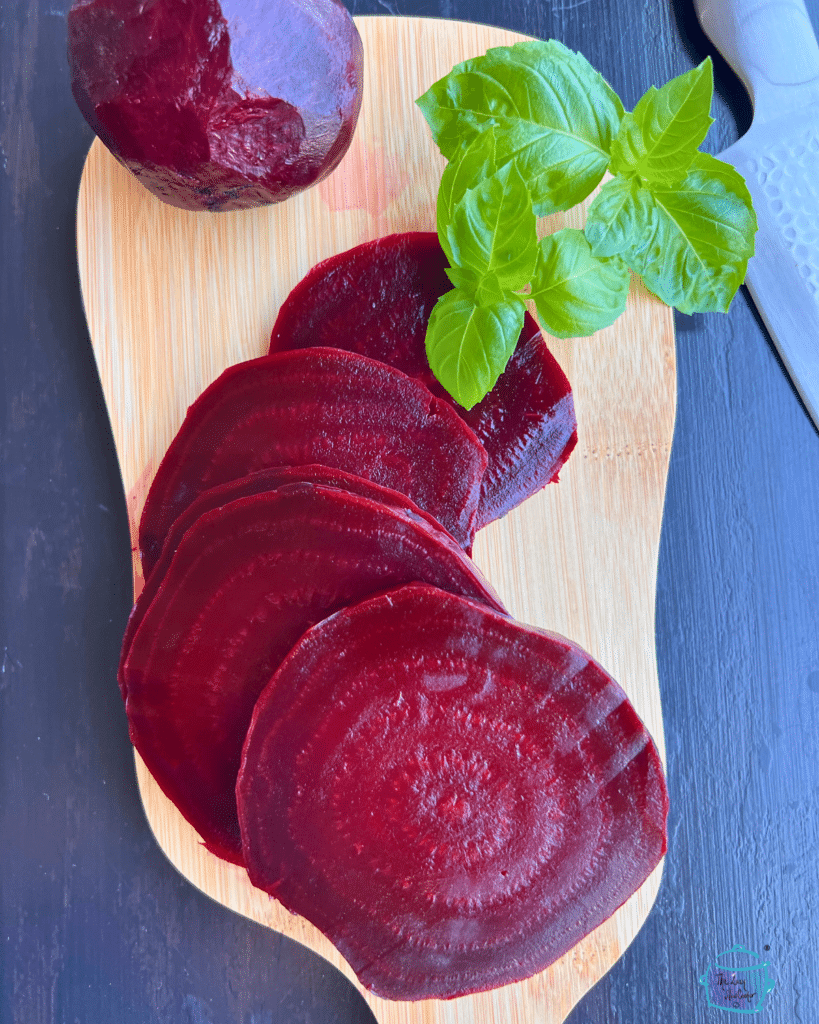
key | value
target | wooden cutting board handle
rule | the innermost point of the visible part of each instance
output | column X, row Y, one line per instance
column 172, row 298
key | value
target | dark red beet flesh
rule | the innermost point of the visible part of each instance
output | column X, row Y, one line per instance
column 455, row 800
column 255, row 483
column 218, row 105
column 376, row 299
column 320, row 406
column 245, row 582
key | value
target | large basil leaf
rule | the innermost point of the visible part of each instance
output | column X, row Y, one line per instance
column 701, row 236
column 557, row 117
column 468, row 345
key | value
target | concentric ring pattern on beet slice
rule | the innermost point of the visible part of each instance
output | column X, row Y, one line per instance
column 454, row 799
column 376, row 299
column 323, row 406
column 246, row 581
column 255, row 483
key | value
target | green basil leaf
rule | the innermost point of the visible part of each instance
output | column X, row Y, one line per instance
column 469, row 345
column 473, row 162
column 557, row 116
column 617, row 217
column 485, row 290
column 460, row 278
column 494, row 230
column 489, row 291
column 659, row 139
column 576, row 293
column 701, row 236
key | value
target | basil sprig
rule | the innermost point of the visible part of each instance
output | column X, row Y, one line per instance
column 532, row 129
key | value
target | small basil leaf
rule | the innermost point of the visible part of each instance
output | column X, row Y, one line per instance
column 460, row 278
column 576, row 293
column 660, row 138
column 469, row 345
column 701, row 236
column 556, row 114
column 489, row 291
column 485, row 290
column 494, row 230
column 473, row 162
column 618, row 215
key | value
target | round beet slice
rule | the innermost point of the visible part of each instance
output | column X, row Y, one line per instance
column 454, row 799
column 320, row 406
column 245, row 582
column 376, row 299
column 253, row 483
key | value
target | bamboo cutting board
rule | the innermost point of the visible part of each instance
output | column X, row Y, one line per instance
column 172, row 298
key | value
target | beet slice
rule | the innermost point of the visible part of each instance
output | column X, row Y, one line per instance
column 253, row 483
column 246, row 581
column 376, row 299
column 454, row 799
column 320, row 406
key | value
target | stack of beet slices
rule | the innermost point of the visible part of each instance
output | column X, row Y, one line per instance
column 242, row 585
column 325, row 685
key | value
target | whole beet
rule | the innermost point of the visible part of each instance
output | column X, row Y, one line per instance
column 218, row 105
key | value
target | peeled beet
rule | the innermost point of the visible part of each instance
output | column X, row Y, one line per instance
column 246, row 580
column 455, row 800
column 320, row 406
column 218, row 104
column 376, row 299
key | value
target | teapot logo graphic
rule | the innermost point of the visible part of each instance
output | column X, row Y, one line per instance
column 738, row 981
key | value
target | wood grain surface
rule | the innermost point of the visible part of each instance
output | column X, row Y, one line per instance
column 172, row 298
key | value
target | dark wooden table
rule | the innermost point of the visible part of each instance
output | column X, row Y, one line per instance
column 95, row 925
